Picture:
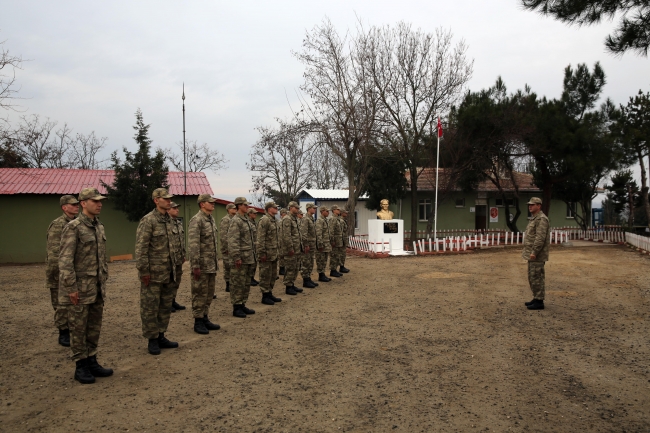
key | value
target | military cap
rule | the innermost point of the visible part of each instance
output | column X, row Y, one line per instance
column 283, row 211
column 293, row 204
column 344, row 210
column 67, row 199
column 324, row 208
column 309, row 206
column 90, row 194
column 535, row 200
column 335, row 207
column 161, row 193
column 230, row 206
column 251, row 210
column 270, row 204
column 241, row 200
column 175, row 205
column 300, row 212
column 203, row 198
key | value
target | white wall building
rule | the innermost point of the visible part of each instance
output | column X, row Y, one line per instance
column 339, row 197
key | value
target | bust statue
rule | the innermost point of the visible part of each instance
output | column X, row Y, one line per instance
column 384, row 213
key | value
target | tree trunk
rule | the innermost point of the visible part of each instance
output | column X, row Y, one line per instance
column 414, row 203
column 512, row 225
column 630, row 198
column 352, row 195
column 547, row 192
column 644, row 187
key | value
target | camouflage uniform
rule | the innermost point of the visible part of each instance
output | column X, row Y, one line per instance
column 267, row 247
column 345, row 240
column 323, row 243
column 223, row 237
column 254, row 224
column 202, row 249
column 52, row 269
column 241, row 246
column 291, row 242
column 336, row 235
column 178, row 244
column 308, row 232
column 537, row 240
column 281, row 258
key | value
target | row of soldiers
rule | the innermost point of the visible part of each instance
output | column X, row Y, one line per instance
column 77, row 268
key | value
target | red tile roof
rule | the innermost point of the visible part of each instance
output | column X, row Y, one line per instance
column 67, row 181
column 427, row 182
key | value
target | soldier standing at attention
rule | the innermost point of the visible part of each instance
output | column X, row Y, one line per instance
column 83, row 271
column 241, row 247
column 308, row 231
column 202, row 246
column 155, row 261
column 345, row 239
column 336, row 236
column 292, row 248
column 223, row 237
column 70, row 207
column 323, row 243
column 536, row 246
column 283, row 214
column 179, row 251
column 267, row 251
column 252, row 215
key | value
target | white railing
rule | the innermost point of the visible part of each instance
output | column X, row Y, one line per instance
column 361, row 243
column 638, row 241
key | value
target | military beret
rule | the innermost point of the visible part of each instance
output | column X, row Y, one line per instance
column 230, row 206
column 161, row 193
column 67, row 199
column 90, row 194
column 175, row 205
column 309, row 206
column 241, row 200
column 251, row 210
column 293, row 204
column 335, row 207
column 324, row 208
column 535, row 200
column 270, row 204
column 203, row 198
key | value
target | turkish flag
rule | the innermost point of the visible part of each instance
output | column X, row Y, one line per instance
column 439, row 128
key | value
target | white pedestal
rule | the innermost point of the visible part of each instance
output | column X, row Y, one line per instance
column 387, row 236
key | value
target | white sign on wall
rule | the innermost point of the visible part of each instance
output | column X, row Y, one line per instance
column 472, row 209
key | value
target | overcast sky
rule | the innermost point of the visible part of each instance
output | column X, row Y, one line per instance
column 93, row 64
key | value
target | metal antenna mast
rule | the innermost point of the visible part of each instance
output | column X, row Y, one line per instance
column 184, row 169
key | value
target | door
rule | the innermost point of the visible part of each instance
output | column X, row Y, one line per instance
column 480, row 219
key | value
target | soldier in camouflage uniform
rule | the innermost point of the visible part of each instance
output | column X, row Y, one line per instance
column 323, row 243
column 292, row 248
column 202, row 238
column 83, row 271
column 536, row 246
column 70, row 207
column 252, row 215
column 156, row 264
column 179, row 251
column 345, row 239
column 336, row 236
column 283, row 215
column 308, row 232
column 241, row 247
column 223, row 237
column 267, row 250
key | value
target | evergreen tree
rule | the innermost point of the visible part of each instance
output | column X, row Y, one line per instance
column 386, row 179
column 139, row 175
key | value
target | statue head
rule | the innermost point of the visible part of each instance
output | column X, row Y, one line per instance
column 384, row 204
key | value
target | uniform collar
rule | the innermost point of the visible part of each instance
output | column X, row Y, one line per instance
column 67, row 218
column 161, row 217
column 84, row 219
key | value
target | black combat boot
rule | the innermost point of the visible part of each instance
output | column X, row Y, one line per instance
column 238, row 312
column 247, row 310
column 209, row 325
column 306, row 282
column 164, row 343
column 199, row 326
column 343, row 269
column 96, row 369
column 289, row 290
column 266, row 300
column 322, row 277
column 172, row 309
column 64, row 337
column 297, row 289
column 273, row 298
column 281, row 271
column 313, row 282
column 529, row 302
column 82, row 373
column 177, row 306
column 254, row 282
column 536, row 305
column 227, row 286
column 333, row 273
column 154, row 347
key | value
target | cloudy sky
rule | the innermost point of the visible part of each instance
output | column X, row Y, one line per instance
column 93, row 64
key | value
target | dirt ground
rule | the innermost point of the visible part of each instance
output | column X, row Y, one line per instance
column 401, row 344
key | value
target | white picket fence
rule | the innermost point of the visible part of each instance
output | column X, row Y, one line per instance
column 638, row 241
column 361, row 243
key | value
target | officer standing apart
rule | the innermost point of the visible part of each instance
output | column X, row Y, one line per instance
column 536, row 246
column 252, row 215
column 70, row 207
column 223, row 237
column 283, row 215
column 155, row 261
column 336, row 233
column 83, row 271
column 241, row 247
column 308, row 231
column 179, row 251
column 267, row 251
column 292, row 248
column 345, row 239
column 323, row 243
column 202, row 245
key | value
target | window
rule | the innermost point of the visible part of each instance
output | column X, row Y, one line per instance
column 460, row 202
column 571, row 209
column 510, row 201
column 424, row 209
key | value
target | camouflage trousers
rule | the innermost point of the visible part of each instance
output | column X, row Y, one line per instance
column 536, row 279
column 307, row 264
column 268, row 275
column 60, row 312
column 336, row 257
column 226, row 268
column 202, row 292
column 85, row 322
column 155, row 307
column 176, row 284
column 321, row 261
column 291, row 268
column 240, row 283
column 281, row 262
column 344, row 254
column 253, row 270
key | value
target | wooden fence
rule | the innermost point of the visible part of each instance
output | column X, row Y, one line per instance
column 638, row 241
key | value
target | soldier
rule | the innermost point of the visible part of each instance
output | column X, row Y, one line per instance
column 283, row 214
column 155, row 261
column 252, row 215
column 70, row 207
column 292, row 248
column 336, row 237
column 241, row 248
column 267, row 250
column 536, row 245
column 223, row 237
column 83, row 271
column 202, row 240
column 346, row 241
column 323, row 243
column 308, row 232
column 179, row 251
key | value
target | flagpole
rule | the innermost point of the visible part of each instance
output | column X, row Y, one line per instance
column 435, row 211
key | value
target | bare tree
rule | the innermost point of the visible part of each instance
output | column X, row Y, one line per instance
column 34, row 141
column 84, row 150
column 325, row 169
column 8, row 65
column 200, row 157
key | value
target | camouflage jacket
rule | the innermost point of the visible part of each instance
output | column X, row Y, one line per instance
column 291, row 239
column 241, row 240
column 154, row 247
column 537, row 238
column 336, row 231
column 268, row 237
column 308, row 232
column 344, row 232
column 53, row 247
column 83, row 266
column 323, row 235
column 178, row 241
column 223, row 233
column 254, row 226
column 202, row 243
